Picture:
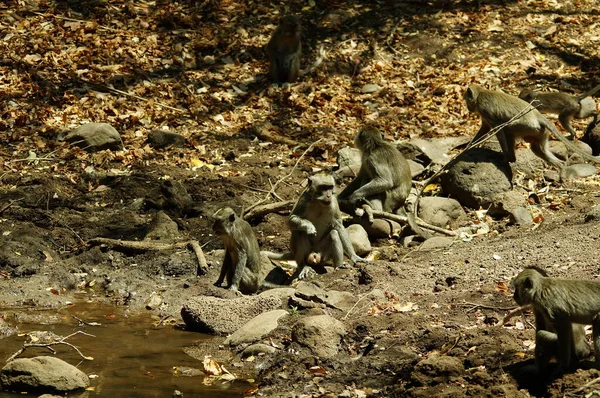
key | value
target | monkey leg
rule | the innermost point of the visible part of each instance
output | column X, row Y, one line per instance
column 546, row 348
column 301, row 247
column 237, row 271
column 564, row 333
column 565, row 120
column 250, row 282
column 541, row 148
column 336, row 249
column 507, row 143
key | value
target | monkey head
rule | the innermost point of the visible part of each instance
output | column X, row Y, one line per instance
column 321, row 187
column 289, row 25
column 313, row 258
column 526, row 285
column 224, row 219
column 527, row 95
column 470, row 96
column 367, row 138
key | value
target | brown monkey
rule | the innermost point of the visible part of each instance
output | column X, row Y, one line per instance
column 564, row 105
column 384, row 179
column 496, row 108
column 241, row 264
column 284, row 51
column 317, row 230
column 557, row 304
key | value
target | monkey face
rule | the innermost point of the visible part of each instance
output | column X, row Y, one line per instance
column 470, row 97
column 224, row 219
column 524, row 285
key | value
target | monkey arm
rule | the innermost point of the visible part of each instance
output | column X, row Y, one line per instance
column 224, row 268
column 297, row 223
column 352, row 187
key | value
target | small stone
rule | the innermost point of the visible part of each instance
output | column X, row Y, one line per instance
column 161, row 139
column 579, row 171
column 95, row 136
column 370, row 88
column 520, row 216
column 360, row 239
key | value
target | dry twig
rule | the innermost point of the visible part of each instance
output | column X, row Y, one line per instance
column 50, row 344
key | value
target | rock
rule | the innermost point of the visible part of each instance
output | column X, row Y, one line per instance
column 370, row 88
column 504, row 203
column 478, row 176
column 161, row 139
column 154, row 301
column 332, row 298
column 380, row 228
column 561, row 151
column 592, row 138
column 416, row 169
column 5, row 329
column 437, row 369
column 436, row 242
column 172, row 197
column 162, row 227
column 347, row 157
column 437, row 150
column 412, row 152
column 322, row 334
column 257, row 349
column 579, row 171
column 593, row 214
column 42, row 374
column 222, row 316
column 441, row 211
column 520, row 216
column 359, row 239
column 256, row 328
column 95, row 136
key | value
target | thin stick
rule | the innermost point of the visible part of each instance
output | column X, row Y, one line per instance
column 260, row 202
column 9, row 205
column 513, row 313
column 583, row 387
column 403, row 220
column 202, row 265
column 260, row 211
column 487, row 307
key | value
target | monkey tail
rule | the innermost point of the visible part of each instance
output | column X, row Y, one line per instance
column 412, row 223
column 589, row 93
column 278, row 256
column 570, row 144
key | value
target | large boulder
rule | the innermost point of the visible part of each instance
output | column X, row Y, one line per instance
column 42, row 374
column 257, row 328
column 321, row 334
column 95, row 136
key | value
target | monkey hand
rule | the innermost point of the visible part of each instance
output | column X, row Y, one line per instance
column 311, row 230
column 356, row 259
column 235, row 289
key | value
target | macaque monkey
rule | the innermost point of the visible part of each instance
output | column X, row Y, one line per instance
column 241, row 264
column 564, row 105
column 383, row 181
column 496, row 108
column 318, row 234
column 558, row 304
column 284, row 51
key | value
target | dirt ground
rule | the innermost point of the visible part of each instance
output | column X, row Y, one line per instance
column 63, row 61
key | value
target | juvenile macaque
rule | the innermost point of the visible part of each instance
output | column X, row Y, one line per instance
column 384, row 179
column 496, row 108
column 241, row 264
column 564, row 105
column 558, row 304
column 284, row 51
column 318, row 234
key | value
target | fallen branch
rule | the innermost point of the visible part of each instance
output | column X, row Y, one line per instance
column 263, row 132
column 583, row 387
column 404, row 220
column 155, row 246
column 12, row 202
column 52, row 343
column 260, row 211
column 475, row 306
column 513, row 313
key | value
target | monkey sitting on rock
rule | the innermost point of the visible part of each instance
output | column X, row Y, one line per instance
column 561, row 307
column 318, row 234
column 496, row 108
column 564, row 105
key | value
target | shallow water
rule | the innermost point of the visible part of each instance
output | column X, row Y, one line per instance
column 132, row 357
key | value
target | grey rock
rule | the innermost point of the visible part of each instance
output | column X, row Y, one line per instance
column 593, row 214
column 412, row 152
column 436, row 242
column 321, row 334
column 520, row 216
column 561, row 151
column 257, row 349
column 380, row 228
column 162, row 227
column 162, row 139
column 579, row 170
column 348, row 156
column 437, row 150
column 95, row 136
column 360, row 239
column 256, row 328
column 441, row 211
column 332, row 298
column 221, row 316
column 370, row 88
column 416, row 169
column 42, row 374
column 505, row 202
column 477, row 176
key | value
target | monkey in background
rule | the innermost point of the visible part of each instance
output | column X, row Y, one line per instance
column 496, row 108
column 564, row 105
column 558, row 305
column 318, row 234
column 384, row 180
column 241, row 264
column 284, row 50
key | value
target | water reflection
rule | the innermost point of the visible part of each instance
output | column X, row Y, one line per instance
column 132, row 357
